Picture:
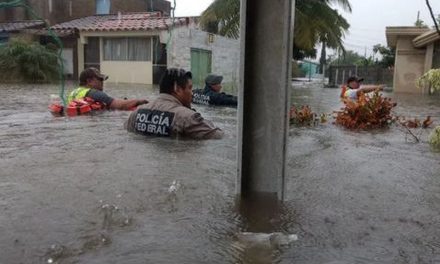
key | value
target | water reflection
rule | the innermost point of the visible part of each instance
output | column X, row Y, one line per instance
column 264, row 235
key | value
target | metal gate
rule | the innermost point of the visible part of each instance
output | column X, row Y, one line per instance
column 200, row 66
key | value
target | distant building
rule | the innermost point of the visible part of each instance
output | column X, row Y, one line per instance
column 126, row 39
column 310, row 68
column 58, row 11
column 138, row 47
column 417, row 51
column 17, row 28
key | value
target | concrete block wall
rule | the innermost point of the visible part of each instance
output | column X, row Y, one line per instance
column 225, row 52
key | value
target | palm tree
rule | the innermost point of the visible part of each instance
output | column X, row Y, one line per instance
column 29, row 62
column 222, row 17
column 315, row 21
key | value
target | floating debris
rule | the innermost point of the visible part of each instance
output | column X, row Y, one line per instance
column 113, row 216
column 274, row 240
column 54, row 253
column 174, row 187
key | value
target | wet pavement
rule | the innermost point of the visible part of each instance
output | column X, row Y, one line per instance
column 83, row 190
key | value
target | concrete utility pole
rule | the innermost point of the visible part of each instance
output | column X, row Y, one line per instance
column 265, row 70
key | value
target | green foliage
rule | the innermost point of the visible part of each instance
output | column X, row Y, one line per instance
column 222, row 17
column 315, row 21
column 388, row 55
column 434, row 138
column 348, row 58
column 419, row 23
column 430, row 79
column 29, row 62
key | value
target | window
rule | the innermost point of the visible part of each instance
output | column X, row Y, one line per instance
column 127, row 49
column 103, row 7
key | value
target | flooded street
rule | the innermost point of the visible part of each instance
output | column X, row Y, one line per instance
column 83, row 190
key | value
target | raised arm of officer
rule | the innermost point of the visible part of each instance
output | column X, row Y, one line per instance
column 120, row 104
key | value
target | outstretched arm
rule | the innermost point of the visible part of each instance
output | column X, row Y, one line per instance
column 119, row 104
column 223, row 99
column 369, row 88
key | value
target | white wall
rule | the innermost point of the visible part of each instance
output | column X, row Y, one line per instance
column 225, row 52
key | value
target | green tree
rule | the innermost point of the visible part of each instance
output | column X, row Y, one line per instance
column 222, row 17
column 419, row 22
column 388, row 55
column 348, row 57
column 29, row 62
column 315, row 21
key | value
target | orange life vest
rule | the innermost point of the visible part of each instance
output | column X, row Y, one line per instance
column 344, row 88
column 77, row 107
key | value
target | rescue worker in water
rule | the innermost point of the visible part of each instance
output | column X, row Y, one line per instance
column 91, row 84
column 212, row 95
column 170, row 115
column 353, row 89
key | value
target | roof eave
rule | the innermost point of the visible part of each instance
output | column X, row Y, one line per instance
column 426, row 39
column 392, row 33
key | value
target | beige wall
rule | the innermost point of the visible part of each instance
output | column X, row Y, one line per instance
column 128, row 71
column 409, row 65
column 139, row 72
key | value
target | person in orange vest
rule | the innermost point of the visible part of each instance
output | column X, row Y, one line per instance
column 353, row 89
column 91, row 84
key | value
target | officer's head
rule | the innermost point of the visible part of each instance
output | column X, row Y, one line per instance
column 178, row 83
column 92, row 78
column 214, row 82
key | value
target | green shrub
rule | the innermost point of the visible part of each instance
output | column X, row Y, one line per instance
column 29, row 62
column 431, row 79
column 434, row 138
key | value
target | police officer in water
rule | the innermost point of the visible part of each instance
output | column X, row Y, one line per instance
column 170, row 114
column 211, row 94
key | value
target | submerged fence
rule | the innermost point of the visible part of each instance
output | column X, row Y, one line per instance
column 338, row 74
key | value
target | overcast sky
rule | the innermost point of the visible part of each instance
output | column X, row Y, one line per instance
column 368, row 18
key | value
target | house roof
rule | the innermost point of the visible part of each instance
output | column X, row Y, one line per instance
column 122, row 22
column 393, row 33
column 15, row 26
column 426, row 38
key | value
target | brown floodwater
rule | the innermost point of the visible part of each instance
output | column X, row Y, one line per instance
column 83, row 190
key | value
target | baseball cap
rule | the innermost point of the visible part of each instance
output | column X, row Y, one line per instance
column 354, row 79
column 91, row 72
column 213, row 79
